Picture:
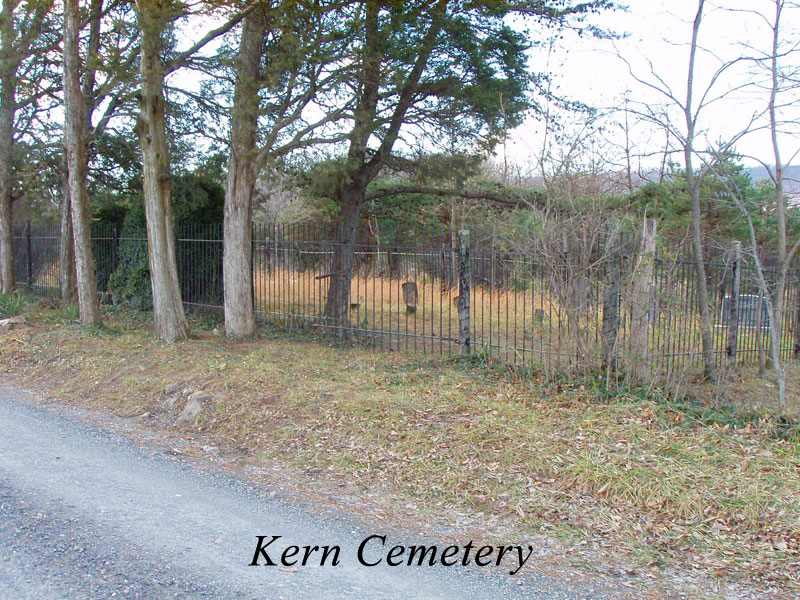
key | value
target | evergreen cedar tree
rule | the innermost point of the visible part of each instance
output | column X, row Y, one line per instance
column 28, row 36
column 451, row 73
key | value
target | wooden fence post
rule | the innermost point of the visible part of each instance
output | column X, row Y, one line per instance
column 464, row 283
column 611, row 296
column 733, row 305
column 30, row 253
column 640, row 300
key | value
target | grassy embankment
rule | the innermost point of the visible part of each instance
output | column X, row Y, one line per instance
column 642, row 482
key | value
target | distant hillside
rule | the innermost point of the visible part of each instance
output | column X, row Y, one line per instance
column 615, row 183
column 791, row 177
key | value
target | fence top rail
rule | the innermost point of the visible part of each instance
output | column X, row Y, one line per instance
column 283, row 235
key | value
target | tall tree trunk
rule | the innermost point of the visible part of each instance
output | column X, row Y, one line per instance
column 168, row 313
column 709, row 367
column 77, row 160
column 694, row 183
column 8, row 76
column 780, row 202
column 357, row 175
column 242, row 172
column 7, row 278
column 337, row 303
column 69, row 290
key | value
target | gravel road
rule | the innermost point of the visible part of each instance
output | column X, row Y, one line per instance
column 85, row 513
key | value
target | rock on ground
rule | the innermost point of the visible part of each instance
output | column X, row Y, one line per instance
column 7, row 325
column 193, row 408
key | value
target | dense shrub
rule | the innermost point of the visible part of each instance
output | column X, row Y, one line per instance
column 130, row 282
column 197, row 204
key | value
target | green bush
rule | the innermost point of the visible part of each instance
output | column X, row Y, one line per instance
column 11, row 304
column 197, row 204
column 132, row 287
column 130, row 282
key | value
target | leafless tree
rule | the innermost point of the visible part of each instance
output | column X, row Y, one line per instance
column 686, row 130
column 774, row 327
column 779, row 82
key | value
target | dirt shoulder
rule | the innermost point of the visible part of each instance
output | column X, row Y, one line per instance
column 637, row 493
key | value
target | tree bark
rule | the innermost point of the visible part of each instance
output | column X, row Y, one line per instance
column 640, row 303
column 8, row 75
column 780, row 202
column 694, row 183
column 356, row 178
column 69, row 289
column 337, row 303
column 77, row 161
column 709, row 367
column 242, row 174
column 7, row 277
column 168, row 312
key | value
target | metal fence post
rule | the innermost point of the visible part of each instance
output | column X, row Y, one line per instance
column 640, row 300
column 30, row 253
column 733, row 307
column 464, row 283
column 611, row 296
column 114, row 246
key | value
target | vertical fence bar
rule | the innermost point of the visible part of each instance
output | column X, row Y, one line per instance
column 733, row 305
column 114, row 247
column 29, row 245
column 464, row 284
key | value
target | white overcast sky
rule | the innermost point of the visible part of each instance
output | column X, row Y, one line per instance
column 659, row 31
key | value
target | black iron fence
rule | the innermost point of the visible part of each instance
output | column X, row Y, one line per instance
column 626, row 306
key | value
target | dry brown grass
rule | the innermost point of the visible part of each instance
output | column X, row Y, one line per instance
column 531, row 326
column 643, row 478
column 515, row 324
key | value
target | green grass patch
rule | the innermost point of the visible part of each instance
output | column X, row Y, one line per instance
column 11, row 304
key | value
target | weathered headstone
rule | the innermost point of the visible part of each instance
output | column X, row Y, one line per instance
column 410, row 296
column 749, row 306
